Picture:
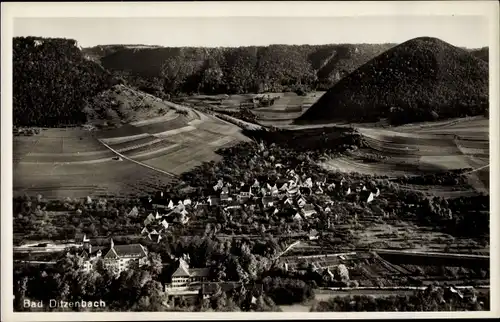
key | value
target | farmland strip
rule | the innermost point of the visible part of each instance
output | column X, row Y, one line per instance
column 160, row 148
column 176, row 131
column 140, row 163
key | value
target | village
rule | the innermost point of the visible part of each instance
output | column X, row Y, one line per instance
column 281, row 196
column 293, row 205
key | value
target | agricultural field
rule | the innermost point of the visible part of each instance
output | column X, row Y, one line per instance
column 76, row 162
column 418, row 149
column 288, row 107
column 62, row 180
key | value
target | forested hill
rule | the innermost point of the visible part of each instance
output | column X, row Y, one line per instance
column 422, row 79
column 482, row 53
column 53, row 81
column 234, row 70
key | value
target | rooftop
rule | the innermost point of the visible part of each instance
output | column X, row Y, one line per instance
column 135, row 250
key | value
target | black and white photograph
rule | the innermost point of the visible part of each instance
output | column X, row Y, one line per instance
column 249, row 160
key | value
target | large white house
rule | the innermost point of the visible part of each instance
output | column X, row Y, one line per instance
column 185, row 277
column 116, row 257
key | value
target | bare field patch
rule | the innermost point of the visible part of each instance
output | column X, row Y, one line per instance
column 69, row 180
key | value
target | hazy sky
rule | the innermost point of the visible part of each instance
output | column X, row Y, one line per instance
column 466, row 31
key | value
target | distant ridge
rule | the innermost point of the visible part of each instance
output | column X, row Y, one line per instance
column 420, row 80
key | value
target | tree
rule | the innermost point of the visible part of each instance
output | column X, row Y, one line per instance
column 155, row 263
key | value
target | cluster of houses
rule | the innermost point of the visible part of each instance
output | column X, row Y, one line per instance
column 291, row 191
column 165, row 216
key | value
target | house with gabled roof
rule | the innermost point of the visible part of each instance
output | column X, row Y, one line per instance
column 224, row 195
column 274, row 190
column 256, row 184
column 284, row 187
column 297, row 217
column 134, row 212
column 184, row 220
column 288, row 201
column 149, row 219
column 307, row 183
column 164, row 223
column 213, row 201
column 301, row 202
column 234, row 204
column 267, row 202
column 292, row 192
column 184, row 276
column 245, row 193
column 116, row 257
column 254, row 190
column 144, row 231
column 318, row 190
column 313, row 234
column 367, row 196
column 305, row 191
column 308, row 210
column 170, row 204
column 153, row 234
